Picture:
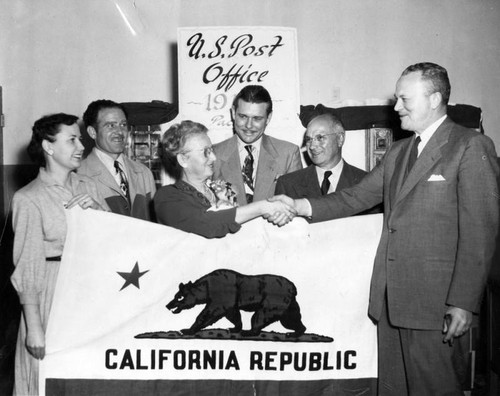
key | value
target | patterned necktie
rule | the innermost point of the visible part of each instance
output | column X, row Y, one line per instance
column 247, row 171
column 325, row 185
column 413, row 155
column 123, row 179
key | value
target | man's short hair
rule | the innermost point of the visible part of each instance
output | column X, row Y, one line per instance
column 92, row 112
column 254, row 94
column 435, row 75
column 335, row 124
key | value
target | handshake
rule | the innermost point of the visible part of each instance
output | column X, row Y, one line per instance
column 281, row 210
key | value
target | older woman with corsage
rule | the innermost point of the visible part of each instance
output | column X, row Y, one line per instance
column 39, row 233
column 196, row 203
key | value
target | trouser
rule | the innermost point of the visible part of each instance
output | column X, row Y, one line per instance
column 417, row 362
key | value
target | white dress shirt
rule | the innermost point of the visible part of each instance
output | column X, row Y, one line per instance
column 334, row 177
column 427, row 134
column 109, row 163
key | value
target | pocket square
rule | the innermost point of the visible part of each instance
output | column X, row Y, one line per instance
column 436, row 178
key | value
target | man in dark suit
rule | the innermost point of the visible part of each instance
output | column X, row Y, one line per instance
column 328, row 172
column 250, row 160
column 127, row 186
column 441, row 209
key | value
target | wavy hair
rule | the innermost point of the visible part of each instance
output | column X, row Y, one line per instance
column 254, row 94
column 46, row 128
column 173, row 142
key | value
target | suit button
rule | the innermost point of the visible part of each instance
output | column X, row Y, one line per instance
column 392, row 230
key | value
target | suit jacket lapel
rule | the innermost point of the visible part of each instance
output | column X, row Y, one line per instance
column 308, row 186
column 399, row 171
column 102, row 173
column 342, row 179
column 426, row 160
column 265, row 168
column 348, row 177
column 133, row 179
column 231, row 168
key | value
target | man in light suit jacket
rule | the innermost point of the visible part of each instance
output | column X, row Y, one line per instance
column 250, row 160
column 127, row 186
column 438, row 238
column 328, row 172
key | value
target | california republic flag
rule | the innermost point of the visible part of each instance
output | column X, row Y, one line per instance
column 146, row 309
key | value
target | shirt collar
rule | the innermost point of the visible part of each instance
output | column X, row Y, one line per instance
column 188, row 188
column 49, row 181
column 429, row 131
column 336, row 170
column 184, row 186
column 106, row 158
column 108, row 161
column 256, row 145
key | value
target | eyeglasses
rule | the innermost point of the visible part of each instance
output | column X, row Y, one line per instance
column 112, row 126
column 320, row 139
column 206, row 151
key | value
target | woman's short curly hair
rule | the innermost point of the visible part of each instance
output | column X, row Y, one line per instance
column 173, row 142
column 46, row 128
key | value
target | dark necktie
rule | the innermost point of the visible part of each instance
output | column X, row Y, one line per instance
column 123, row 179
column 413, row 155
column 247, row 172
column 325, row 185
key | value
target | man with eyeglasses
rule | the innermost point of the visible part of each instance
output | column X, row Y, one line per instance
column 328, row 172
column 250, row 160
column 127, row 186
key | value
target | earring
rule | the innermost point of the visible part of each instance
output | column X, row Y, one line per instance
column 50, row 152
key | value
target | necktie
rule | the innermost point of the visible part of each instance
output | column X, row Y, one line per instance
column 413, row 155
column 325, row 185
column 247, row 172
column 123, row 179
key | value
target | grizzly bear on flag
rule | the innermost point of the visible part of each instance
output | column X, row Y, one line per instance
column 272, row 298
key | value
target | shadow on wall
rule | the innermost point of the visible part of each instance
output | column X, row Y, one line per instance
column 13, row 178
column 174, row 72
column 10, row 310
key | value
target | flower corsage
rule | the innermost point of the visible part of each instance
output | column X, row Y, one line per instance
column 225, row 197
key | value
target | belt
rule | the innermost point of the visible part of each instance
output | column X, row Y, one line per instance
column 55, row 258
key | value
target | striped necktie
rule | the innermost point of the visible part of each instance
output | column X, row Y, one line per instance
column 123, row 179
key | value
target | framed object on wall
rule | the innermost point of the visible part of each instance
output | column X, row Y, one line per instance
column 378, row 140
column 144, row 147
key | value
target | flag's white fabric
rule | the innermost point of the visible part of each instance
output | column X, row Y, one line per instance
column 94, row 321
